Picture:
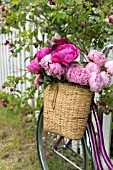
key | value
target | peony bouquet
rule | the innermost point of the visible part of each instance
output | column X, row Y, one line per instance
column 57, row 62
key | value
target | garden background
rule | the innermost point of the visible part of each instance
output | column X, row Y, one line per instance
column 25, row 28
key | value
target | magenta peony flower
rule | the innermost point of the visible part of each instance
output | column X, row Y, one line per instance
column 42, row 52
column 95, row 82
column 34, row 66
column 56, row 70
column 65, row 54
column 61, row 41
column 45, row 61
column 92, row 67
column 109, row 67
column 97, row 57
column 37, row 81
column 105, row 79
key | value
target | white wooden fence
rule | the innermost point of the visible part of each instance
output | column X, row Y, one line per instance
column 17, row 66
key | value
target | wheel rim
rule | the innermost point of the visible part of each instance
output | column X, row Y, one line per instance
column 48, row 159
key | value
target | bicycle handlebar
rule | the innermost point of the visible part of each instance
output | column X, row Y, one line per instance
column 107, row 48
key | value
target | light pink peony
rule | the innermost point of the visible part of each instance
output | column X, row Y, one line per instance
column 56, row 70
column 92, row 67
column 45, row 61
column 105, row 79
column 109, row 67
column 71, row 72
column 37, row 81
column 95, row 82
column 97, row 57
column 65, row 54
column 42, row 52
column 83, row 76
column 77, row 74
column 34, row 66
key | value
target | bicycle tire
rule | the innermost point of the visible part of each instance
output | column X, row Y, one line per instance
column 50, row 160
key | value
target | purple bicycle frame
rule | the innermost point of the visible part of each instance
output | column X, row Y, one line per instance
column 100, row 139
column 94, row 141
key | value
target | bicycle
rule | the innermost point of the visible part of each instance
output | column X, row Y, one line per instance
column 56, row 152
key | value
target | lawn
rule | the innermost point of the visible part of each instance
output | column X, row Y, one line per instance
column 17, row 142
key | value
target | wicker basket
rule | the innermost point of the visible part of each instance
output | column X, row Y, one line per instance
column 66, row 109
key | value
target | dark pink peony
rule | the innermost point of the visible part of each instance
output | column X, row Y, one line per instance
column 65, row 54
column 42, row 53
column 61, row 41
column 34, row 66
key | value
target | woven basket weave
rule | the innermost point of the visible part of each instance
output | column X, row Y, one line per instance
column 66, row 109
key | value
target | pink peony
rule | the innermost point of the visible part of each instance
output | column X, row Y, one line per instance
column 61, row 41
column 105, row 79
column 95, row 82
column 92, row 67
column 65, row 54
column 45, row 61
column 42, row 52
column 56, row 70
column 71, row 72
column 77, row 74
column 34, row 66
column 97, row 57
column 109, row 67
column 39, row 78
column 83, row 76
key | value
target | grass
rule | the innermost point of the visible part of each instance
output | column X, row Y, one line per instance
column 17, row 142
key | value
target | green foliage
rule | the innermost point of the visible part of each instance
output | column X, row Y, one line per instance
column 84, row 23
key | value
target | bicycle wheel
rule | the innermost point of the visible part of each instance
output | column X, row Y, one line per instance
column 74, row 154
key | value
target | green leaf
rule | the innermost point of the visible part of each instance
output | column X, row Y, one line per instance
column 28, row 48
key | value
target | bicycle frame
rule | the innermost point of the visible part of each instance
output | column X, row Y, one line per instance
column 94, row 142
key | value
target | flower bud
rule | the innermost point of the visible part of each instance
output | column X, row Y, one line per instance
column 11, row 89
column 4, row 104
column 3, row 8
column 6, row 42
column 102, row 103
